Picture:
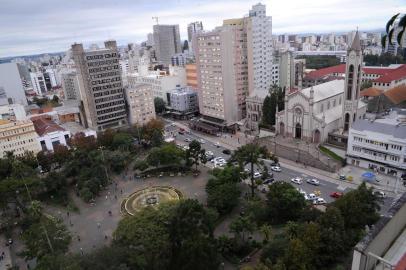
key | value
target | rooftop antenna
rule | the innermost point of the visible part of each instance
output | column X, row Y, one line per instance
column 156, row 19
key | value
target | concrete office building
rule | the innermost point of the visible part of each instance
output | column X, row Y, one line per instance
column 183, row 100
column 161, row 82
column 70, row 85
column 166, row 43
column 19, row 137
column 38, row 82
column 140, row 102
column 191, row 76
column 379, row 144
column 101, row 86
column 192, row 29
column 222, row 68
column 10, row 81
column 259, row 49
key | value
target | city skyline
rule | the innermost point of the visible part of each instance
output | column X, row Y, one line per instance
column 53, row 28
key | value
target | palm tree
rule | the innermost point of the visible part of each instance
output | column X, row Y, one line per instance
column 392, row 27
column 251, row 154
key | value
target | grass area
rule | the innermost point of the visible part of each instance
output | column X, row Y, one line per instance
column 331, row 154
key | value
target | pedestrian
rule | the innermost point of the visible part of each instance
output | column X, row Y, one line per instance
column 71, row 224
column 105, row 237
column 106, row 197
column 28, row 266
column 109, row 212
column 81, row 251
column 121, row 191
column 115, row 197
column 78, row 238
column 98, row 225
column 67, row 213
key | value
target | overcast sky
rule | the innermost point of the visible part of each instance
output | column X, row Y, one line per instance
column 38, row 26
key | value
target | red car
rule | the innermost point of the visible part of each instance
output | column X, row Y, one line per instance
column 336, row 195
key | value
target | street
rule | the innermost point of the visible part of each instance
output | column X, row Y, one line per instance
column 324, row 189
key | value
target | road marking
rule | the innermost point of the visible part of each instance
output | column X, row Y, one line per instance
column 341, row 188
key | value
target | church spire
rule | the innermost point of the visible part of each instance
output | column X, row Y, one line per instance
column 356, row 44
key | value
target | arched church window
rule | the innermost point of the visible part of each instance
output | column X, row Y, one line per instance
column 350, row 82
column 298, row 111
column 321, row 107
column 358, row 77
column 328, row 105
column 334, row 103
column 339, row 101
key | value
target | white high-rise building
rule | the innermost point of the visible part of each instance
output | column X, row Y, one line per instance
column 10, row 82
column 193, row 28
column 70, row 85
column 38, row 82
column 166, row 43
column 259, row 49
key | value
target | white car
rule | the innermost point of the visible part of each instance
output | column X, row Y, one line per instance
column 209, row 153
column 187, row 140
column 276, row 168
column 311, row 197
column 319, row 201
column 257, row 174
column 379, row 194
column 185, row 147
column 313, row 181
column 173, row 124
column 296, row 180
column 201, row 141
column 217, row 144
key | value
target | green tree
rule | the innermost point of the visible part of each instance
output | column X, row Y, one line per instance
column 275, row 248
column 242, row 226
column 159, row 105
column 44, row 235
column 366, row 84
column 122, row 141
column 222, row 190
column 250, row 154
column 268, row 111
column 297, row 256
column 157, row 138
column 168, row 154
column 195, row 154
column 285, row 203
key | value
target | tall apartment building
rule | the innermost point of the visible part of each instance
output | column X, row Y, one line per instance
column 10, row 81
column 166, row 43
column 193, row 28
column 140, row 102
column 38, row 82
column 259, row 49
column 101, row 86
column 191, row 76
column 70, row 85
column 222, row 68
column 18, row 137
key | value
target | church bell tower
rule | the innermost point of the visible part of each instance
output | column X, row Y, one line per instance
column 353, row 76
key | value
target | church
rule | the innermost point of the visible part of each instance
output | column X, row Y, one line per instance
column 325, row 111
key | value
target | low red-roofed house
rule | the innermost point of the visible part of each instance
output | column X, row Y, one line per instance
column 370, row 92
column 50, row 134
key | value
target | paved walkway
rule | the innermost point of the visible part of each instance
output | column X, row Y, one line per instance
column 93, row 226
column 5, row 260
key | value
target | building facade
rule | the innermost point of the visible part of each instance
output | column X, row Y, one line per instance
column 184, row 100
column 140, row 102
column 166, row 42
column 222, row 72
column 193, row 28
column 10, row 81
column 101, row 86
column 259, row 48
column 38, row 82
column 379, row 144
column 327, row 110
column 50, row 134
column 191, row 76
column 70, row 85
column 18, row 137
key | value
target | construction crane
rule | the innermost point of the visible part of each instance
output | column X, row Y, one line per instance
column 156, row 19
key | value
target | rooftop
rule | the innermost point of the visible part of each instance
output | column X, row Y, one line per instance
column 389, row 125
column 325, row 90
column 397, row 94
column 44, row 126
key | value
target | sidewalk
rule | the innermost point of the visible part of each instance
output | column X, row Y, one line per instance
column 5, row 263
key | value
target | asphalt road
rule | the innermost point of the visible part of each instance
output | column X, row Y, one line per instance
column 325, row 188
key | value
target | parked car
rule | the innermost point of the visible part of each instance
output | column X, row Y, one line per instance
column 257, row 174
column 311, row 197
column 319, row 201
column 336, row 194
column 187, row 140
column 209, row 153
column 342, row 177
column 268, row 181
column 227, row 152
column 276, row 168
column 313, row 181
column 201, row 141
column 379, row 194
column 217, row 144
column 296, row 180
